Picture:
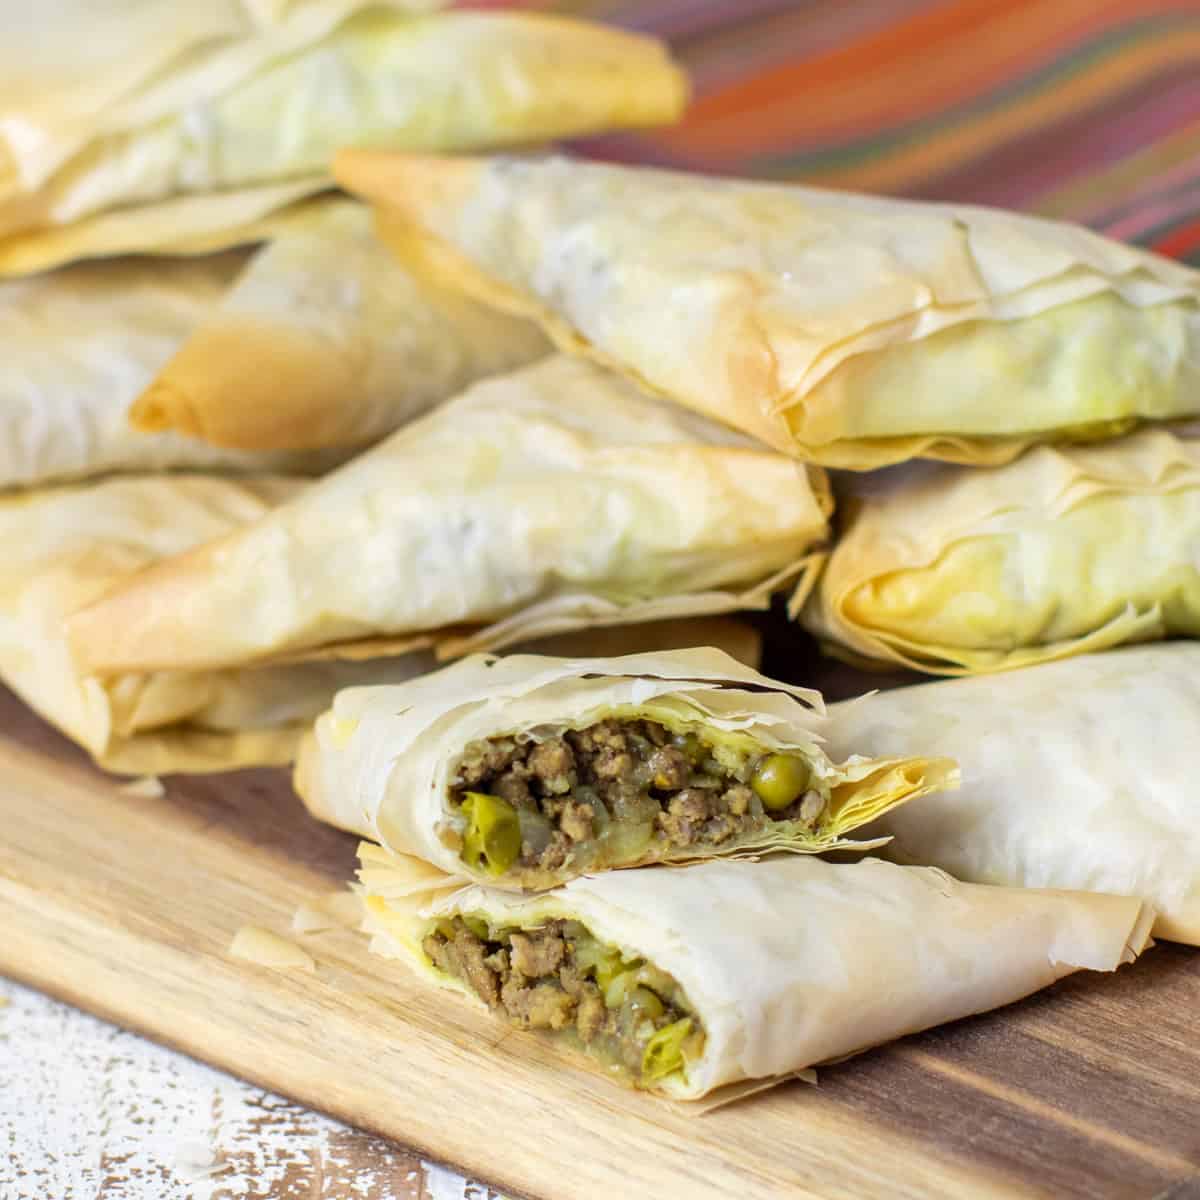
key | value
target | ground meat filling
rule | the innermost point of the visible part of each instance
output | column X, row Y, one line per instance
column 625, row 1013
column 661, row 789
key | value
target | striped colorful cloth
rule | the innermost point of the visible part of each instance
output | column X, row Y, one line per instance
column 1082, row 109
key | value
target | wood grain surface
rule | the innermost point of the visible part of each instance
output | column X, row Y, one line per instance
column 126, row 907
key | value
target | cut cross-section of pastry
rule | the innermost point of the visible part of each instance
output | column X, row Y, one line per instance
column 557, row 497
column 1068, row 550
column 691, row 980
column 852, row 330
column 1076, row 774
column 526, row 771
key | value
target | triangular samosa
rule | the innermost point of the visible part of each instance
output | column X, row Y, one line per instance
column 686, row 981
column 66, row 546
column 447, row 82
column 1070, row 549
column 1076, row 774
column 850, row 330
column 327, row 340
column 557, row 497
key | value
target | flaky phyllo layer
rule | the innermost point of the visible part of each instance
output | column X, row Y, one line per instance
column 849, row 330
column 557, row 497
column 527, row 771
column 242, row 123
column 689, row 981
column 64, row 546
column 1068, row 550
column 326, row 339
column 1103, row 743
column 65, row 392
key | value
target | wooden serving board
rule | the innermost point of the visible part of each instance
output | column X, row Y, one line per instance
column 126, row 906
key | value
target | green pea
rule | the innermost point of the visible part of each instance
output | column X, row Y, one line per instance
column 780, row 780
column 664, row 1051
column 478, row 926
column 602, row 961
column 645, row 1003
column 620, row 983
column 692, row 747
column 492, row 840
column 608, row 968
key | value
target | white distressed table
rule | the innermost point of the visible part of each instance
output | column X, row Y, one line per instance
column 93, row 1112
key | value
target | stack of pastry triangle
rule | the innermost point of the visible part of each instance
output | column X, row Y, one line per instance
column 164, row 133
